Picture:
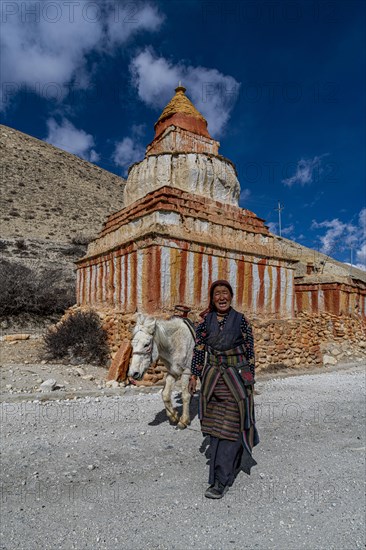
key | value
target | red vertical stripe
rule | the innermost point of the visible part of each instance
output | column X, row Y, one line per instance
column 183, row 278
column 240, row 284
column 198, row 276
column 209, row 265
column 315, row 300
column 111, row 280
column 154, row 278
column 133, row 281
column 278, row 291
column 100, row 283
column 251, row 306
column 261, row 269
column 90, row 285
column 125, row 277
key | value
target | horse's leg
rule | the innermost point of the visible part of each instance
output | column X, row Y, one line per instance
column 171, row 412
column 185, row 420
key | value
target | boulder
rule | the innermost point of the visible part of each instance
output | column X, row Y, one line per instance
column 119, row 367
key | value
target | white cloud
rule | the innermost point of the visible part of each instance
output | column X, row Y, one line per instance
column 361, row 256
column 342, row 237
column 45, row 45
column 94, row 156
column 124, row 20
column 288, row 231
column 212, row 93
column 138, row 130
column 361, row 252
column 316, row 198
column 130, row 149
column 273, row 227
column 338, row 234
column 307, row 171
column 362, row 221
column 67, row 137
column 244, row 195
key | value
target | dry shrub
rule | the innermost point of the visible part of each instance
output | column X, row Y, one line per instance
column 80, row 239
column 78, row 336
column 77, row 251
column 23, row 290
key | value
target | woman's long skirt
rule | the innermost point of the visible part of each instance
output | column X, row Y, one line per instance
column 222, row 423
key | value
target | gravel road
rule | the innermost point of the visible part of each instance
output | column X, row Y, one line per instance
column 111, row 473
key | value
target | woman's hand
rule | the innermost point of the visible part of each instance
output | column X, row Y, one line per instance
column 192, row 384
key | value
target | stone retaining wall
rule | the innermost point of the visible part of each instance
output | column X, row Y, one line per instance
column 306, row 340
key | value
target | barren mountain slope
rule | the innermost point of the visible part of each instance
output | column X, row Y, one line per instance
column 52, row 203
column 49, row 194
column 325, row 267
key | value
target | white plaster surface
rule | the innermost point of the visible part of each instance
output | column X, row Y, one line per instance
column 204, row 175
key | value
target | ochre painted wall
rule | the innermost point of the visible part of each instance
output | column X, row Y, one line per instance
column 157, row 277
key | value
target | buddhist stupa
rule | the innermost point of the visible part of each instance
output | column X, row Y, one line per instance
column 183, row 155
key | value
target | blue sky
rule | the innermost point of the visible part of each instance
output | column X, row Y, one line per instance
column 282, row 85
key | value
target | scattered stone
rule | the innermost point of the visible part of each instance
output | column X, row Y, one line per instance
column 91, row 467
column 329, row 360
column 79, row 371
column 88, row 377
column 48, row 385
column 13, row 337
column 112, row 384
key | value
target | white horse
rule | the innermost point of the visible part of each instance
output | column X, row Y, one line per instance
column 172, row 342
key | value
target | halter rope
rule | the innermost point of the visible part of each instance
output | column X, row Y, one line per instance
column 151, row 346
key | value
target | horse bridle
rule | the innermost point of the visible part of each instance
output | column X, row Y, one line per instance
column 151, row 347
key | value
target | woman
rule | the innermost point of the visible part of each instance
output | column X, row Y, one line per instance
column 223, row 358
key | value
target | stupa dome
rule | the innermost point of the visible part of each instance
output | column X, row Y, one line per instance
column 183, row 155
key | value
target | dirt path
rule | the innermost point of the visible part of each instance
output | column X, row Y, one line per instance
column 23, row 369
column 110, row 473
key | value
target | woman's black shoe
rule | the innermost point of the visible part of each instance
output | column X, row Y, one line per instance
column 216, row 491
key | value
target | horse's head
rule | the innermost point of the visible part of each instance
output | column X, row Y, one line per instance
column 144, row 349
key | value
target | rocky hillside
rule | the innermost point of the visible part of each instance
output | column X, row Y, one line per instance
column 49, row 194
column 52, row 203
column 322, row 265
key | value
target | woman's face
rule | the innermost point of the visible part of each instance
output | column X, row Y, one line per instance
column 222, row 298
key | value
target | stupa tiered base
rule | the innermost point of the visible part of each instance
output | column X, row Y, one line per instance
column 168, row 247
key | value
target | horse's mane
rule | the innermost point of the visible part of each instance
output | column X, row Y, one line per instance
column 166, row 327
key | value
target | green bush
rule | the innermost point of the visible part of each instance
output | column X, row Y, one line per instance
column 79, row 336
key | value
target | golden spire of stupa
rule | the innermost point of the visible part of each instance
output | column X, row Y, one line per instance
column 180, row 104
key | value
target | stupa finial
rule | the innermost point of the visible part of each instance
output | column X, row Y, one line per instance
column 180, row 88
